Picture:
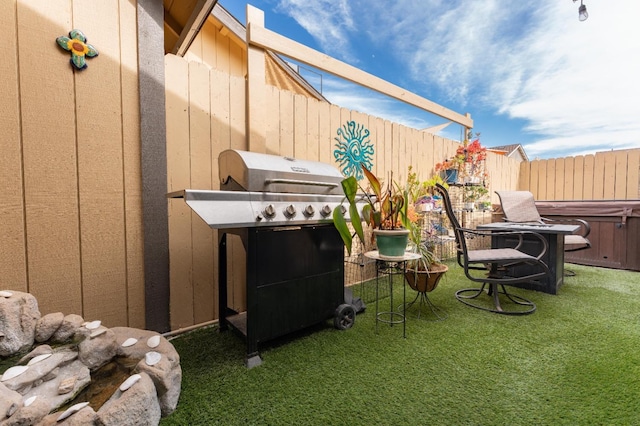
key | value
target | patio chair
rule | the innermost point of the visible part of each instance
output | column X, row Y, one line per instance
column 491, row 267
column 520, row 207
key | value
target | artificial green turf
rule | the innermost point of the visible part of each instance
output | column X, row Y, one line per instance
column 575, row 361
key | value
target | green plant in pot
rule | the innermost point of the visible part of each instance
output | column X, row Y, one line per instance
column 422, row 274
column 384, row 210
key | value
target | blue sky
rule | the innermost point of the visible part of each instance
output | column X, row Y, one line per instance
column 527, row 72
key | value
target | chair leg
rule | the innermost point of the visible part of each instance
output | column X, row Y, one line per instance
column 468, row 296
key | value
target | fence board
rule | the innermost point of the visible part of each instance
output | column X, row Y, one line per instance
column 272, row 126
column 100, row 166
column 13, row 262
column 132, row 167
column 313, row 138
column 287, row 116
column 300, row 149
column 620, row 186
column 179, row 177
column 201, row 177
column 50, row 159
column 325, row 135
column 633, row 175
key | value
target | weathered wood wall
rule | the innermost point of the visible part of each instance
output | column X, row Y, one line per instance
column 70, row 165
column 611, row 175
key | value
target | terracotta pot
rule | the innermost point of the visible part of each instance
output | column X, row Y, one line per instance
column 423, row 281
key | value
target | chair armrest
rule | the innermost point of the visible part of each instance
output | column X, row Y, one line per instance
column 585, row 229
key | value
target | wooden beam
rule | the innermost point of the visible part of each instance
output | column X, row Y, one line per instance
column 261, row 37
column 199, row 15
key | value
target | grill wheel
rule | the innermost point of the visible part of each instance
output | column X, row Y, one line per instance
column 344, row 317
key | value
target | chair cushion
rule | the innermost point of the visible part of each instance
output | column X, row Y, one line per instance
column 496, row 255
column 519, row 206
column 575, row 242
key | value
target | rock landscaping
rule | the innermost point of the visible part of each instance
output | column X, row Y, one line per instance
column 62, row 352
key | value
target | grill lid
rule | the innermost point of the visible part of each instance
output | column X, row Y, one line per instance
column 252, row 171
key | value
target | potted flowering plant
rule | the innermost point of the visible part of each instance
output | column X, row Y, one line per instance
column 450, row 168
column 474, row 154
column 384, row 211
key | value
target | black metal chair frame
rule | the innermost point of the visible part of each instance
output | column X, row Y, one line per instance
column 490, row 266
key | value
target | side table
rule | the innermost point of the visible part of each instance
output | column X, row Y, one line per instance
column 391, row 266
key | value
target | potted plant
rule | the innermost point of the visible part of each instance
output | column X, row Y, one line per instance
column 450, row 168
column 473, row 194
column 383, row 210
column 424, row 273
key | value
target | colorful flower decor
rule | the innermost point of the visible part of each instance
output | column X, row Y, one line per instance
column 353, row 149
column 468, row 162
column 76, row 43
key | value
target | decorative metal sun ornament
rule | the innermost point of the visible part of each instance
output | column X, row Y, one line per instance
column 76, row 43
column 353, row 149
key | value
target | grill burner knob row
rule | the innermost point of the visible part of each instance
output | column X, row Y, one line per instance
column 290, row 211
column 309, row 211
column 270, row 211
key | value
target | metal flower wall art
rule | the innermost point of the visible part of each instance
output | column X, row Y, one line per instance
column 353, row 149
column 76, row 43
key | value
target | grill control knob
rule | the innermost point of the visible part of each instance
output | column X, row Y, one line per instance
column 343, row 209
column 290, row 211
column 270, row 211
column 326, row 210
column 309, row 211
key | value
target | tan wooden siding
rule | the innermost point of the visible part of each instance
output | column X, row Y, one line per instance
column 71, row 209
column 611, row 175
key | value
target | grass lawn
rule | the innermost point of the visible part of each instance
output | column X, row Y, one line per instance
column 575, row 361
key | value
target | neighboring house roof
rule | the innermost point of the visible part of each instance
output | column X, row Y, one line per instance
column 511, row 151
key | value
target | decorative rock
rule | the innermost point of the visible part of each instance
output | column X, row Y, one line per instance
column 137, row 406
column 67, row 385
column 6, row 294
column 37, row 359
column 47, row 325
column 129, row 342
column 131, row 380
column 39, row 350
column 42, row 371
column 72, row 410
column 96, row 352
column 166, row 376
column 30, row 414
column 8, row 399
column 13, row 372
column 153, row 341
column 53, row 378
column 50, row 388
column 152, row 358
column 68, row 328
column 19, row 315
column 93, row 324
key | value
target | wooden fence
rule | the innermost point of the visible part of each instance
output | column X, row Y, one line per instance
column 206, row 115
column 611, row 175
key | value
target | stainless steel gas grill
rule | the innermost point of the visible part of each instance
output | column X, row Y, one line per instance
column 281, row 208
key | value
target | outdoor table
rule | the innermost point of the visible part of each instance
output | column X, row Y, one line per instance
column 391, row 266
column 554, row 257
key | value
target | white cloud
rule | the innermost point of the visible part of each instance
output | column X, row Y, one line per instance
column 574, row 84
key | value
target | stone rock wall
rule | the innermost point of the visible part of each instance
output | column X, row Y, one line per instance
column 61, row 353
